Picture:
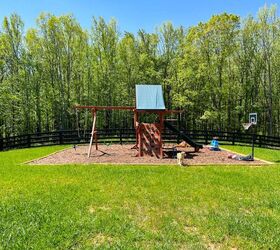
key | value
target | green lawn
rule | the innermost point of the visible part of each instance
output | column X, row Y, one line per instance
column 137, row 207
column 262, row 153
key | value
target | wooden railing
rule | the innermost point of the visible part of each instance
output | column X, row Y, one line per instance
column 128, row 135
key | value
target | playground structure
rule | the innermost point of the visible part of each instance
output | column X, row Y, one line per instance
column 149, row 140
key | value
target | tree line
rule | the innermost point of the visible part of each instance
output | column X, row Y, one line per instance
column 217, row 71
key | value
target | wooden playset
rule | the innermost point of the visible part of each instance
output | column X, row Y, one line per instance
column 149, row 141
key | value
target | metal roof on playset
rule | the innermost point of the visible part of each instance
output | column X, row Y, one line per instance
column 149, row 97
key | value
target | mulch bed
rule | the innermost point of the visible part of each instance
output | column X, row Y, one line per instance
column 123, row 154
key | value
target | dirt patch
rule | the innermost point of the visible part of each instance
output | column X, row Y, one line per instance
column 101, row 239
column 124, row 154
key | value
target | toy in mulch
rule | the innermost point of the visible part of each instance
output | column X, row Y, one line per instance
column 214, row 146
column 173, row 152
column 180, row 158
column 183, row 144
column 241, row 158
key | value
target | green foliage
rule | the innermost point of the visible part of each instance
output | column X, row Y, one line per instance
column 209, row 116
column 130, row 207
column 218, row 71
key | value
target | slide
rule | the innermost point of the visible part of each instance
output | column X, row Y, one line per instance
column 183, row 136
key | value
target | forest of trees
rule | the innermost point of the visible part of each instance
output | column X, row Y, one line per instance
column 217, row 71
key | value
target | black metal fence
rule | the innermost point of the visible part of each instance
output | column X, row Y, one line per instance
column 128, row 135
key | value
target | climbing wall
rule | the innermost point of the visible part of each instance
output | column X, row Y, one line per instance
column 149, row 139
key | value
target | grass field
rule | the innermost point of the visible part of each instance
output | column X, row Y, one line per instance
column 261, row 153
column 138, row 207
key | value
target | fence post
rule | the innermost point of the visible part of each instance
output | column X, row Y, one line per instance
column 178, row 138
column 206, row 137
column 121, row 137
column 233, row 139
column 1, row 144
column 60, row 137
column 179, row 127
column 28, row 141
column 260, row 141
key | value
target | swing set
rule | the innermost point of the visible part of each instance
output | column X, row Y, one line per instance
column 149, row 141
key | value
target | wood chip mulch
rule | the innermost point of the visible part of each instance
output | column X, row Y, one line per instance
column 123, row 154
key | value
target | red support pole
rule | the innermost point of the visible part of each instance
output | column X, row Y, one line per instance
column 140, row 141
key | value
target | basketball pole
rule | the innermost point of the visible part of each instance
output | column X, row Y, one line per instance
column 253, row 142
column 253, row 117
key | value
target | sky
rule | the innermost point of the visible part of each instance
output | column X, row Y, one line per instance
column 132, row 15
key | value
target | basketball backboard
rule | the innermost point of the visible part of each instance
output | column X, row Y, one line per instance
column 253, row 118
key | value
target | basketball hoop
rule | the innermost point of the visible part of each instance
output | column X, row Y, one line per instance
column 253, row 117
column 246, row 126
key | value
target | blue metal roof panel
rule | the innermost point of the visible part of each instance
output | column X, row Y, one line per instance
column 149, row 97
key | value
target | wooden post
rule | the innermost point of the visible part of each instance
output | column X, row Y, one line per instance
column 28, row 141
column 92, row 131
column 60, row 137
column 136, row 124
column 121, row 142
column 206, row 136
column 178, row 126
column 140, row 140
column 260, row 141
column 1, row 144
